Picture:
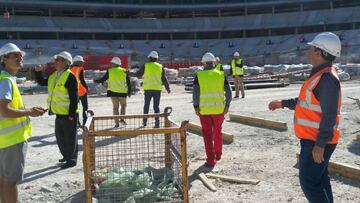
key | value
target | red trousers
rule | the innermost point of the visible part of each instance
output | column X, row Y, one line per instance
column 211, row 126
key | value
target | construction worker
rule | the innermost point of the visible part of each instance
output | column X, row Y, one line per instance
column 211, row 106
column 317, row 116
column 118, row 87
column 63, row 102
column 153, row 79
column 237, row 71
column 15, row 125
column 218, row 65
column 78, row 70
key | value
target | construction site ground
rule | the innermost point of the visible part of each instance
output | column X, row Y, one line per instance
column 256, row 153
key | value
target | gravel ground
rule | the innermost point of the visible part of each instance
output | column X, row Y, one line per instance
column 256, row 153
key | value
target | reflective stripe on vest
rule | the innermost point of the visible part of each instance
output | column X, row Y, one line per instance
column 236, row 70
column 14, row 130
column 152, row 76
column 58, row 96
column 117, row 80
column 76, row 71
column 211, row 84
column 308, row 112
column 311, row 124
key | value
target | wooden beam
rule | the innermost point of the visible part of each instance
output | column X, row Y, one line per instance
column 357, row 101
column 233, row 179
column 345, row 170
column 207, row 182
column 259, row 122
column 227, row 137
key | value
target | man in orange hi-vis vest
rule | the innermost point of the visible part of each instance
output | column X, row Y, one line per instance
column 316, row 118
column 77, row 69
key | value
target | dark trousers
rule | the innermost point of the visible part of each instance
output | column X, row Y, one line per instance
column 84, row 103
column 65, row 132
column 149, row 94
column 314, row 178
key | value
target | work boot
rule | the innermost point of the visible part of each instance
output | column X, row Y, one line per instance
column 237, row 96
column 68, row 164
column 207, row 165
column 62, row 160
column 123, row 122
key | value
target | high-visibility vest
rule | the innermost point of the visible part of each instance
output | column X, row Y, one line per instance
column 152, row 76
column 14, row 130
column 117, row 80
column 58, row 100
column 212, row 101
column 237, row 70
column 218, row 67
column 76, row 71
column 308, row 113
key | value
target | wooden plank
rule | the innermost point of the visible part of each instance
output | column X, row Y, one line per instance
column 207, row 182
column 345, row 170
column 227, row 137
column 357, row 101
column 259, row 122
column 233, row 179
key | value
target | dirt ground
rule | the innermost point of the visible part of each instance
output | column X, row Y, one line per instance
column 256, row 153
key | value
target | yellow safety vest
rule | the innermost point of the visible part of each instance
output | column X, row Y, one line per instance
column 212, row 101
column 236, row 70
column 14, row 130
column 218, row 67
column 117, row 80
column 58, row 100
column 152, row 76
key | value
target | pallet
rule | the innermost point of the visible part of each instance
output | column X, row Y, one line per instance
column 227, row 137
column 259, row 122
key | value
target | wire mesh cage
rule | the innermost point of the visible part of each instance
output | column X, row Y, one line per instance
column 132, row 162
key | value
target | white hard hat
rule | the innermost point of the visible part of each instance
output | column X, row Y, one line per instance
column 327, row 41
column 208, row 57
column 64, row 54
column 10, row 48
column 217, row 59
column 236, row 54
column 153, row 54
column 116, row 60
column 78, row 58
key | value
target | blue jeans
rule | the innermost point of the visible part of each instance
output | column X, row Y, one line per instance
column 314, row 178
column 149, row 94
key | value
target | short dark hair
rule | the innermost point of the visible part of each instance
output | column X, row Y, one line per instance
column 2, row 61
column 152, row 59
column 326, row 56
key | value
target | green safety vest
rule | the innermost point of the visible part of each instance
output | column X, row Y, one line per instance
column 152, row 76
column 14, row 130
column 58, row 100
column 218, row 67
column 117, row 80
column 236, row 70
column 212, row 101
